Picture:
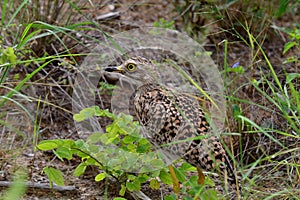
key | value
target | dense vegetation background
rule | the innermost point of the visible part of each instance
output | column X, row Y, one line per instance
column 256, row 45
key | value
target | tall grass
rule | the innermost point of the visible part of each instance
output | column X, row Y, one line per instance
column 270, row 145
column 36, row 36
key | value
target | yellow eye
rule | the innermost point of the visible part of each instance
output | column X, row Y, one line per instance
column 131, row 66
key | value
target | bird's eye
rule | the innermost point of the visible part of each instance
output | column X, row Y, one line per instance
column 131, row 66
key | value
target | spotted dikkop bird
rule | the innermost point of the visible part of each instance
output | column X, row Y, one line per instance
column 169, row 117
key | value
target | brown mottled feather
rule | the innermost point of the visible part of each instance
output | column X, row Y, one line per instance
column 169, row 117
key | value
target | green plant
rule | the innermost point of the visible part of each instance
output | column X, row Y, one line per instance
column 162, row 23
column 123, row 153
column 190, row 187
column 9, row 58
column 24, row 58
column 43, row 23
column 106, row 88
column 199, row 17
column 278, row 95
column 285, row 97
column 18, row 49
column 294, row 42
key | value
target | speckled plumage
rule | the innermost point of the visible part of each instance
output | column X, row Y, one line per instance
column 172, row 118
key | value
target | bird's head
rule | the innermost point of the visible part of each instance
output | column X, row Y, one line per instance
column 137, row 69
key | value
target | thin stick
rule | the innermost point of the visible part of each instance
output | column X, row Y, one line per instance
column 42, row 186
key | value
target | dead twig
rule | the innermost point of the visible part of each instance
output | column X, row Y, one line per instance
column 42, row 186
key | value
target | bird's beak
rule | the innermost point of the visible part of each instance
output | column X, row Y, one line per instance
column 118, row 69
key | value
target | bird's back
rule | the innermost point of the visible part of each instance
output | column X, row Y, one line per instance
column 177, row 122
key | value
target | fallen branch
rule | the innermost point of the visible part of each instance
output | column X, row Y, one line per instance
column 42, row 186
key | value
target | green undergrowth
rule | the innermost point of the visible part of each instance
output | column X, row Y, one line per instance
column 121, row 153
column 265, row 145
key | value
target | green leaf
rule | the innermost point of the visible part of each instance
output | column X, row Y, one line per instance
column 288, row 45
column 10, row 55
column 47, row 145
column 105, row 113
column 100, row 177
column 209, row 194
column 133, row 186
column 208, row 181
column 131, row 177
column 236, row 111
column 238, row 69
column 143, row 178
column 180, row 175
column 94, row 138
column 292, row 76
column 78, row 117
column 68, row 143
column 80, row 169
column 102, row 113
column 119, row 198
column 108, row 138
column 282, row 8
column 185, row 167
column 91, row 161
column 157, row 163
column 64, row 152
column 122, row 190
column 154, row 184
column 31, row 36
column 95, row 149
column 129, row 186
column 170, row 197
column 131, row 147
column 291, row 59
column 137, row 184
column 165, row 177
column 83, row 154
column 143, row 146
column 128, row 139
column 79, row 144
column 144, row 141
column 54, row 175
column 193, row 180
column 162, row 23
column 85, row 113
column 146, row 168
